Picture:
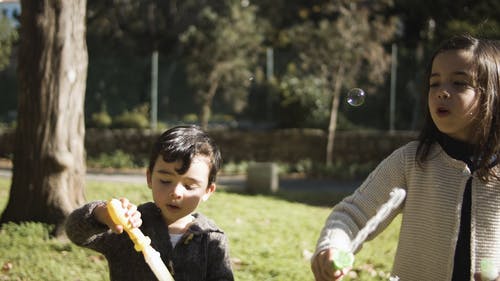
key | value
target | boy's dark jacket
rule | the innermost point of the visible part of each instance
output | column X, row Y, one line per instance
column 201, row 254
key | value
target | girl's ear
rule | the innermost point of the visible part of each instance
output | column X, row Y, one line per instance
column 148, row 178
column 210, row 189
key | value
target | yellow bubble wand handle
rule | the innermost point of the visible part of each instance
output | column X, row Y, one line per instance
column 141, row 242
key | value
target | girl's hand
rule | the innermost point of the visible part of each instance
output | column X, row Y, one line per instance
column 477, row 277
column 130, row 210
column 322, row 267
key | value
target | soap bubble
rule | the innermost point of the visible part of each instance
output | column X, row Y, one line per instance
column 356, row 97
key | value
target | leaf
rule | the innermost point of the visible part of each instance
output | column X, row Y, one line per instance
column 7, row 266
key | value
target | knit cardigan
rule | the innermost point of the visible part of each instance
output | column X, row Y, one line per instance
column 201, row 254
column 430, row 214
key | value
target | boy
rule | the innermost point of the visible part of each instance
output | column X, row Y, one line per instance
column 182, row 170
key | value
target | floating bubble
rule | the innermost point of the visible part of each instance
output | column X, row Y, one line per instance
column 356, row 97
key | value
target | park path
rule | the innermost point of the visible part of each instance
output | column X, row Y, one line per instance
column 230, row 182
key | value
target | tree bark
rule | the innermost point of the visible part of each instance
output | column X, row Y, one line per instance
column 49, row 156
column 332, row 127
column 206, row 106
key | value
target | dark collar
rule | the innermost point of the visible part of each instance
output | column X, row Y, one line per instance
column 456, row 149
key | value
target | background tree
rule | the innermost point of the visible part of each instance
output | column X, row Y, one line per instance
column 8, row 35
column 49, row 160
column 8, row 40
column 220, row 49
column 341, row 44
column 122, row 35
column 120, row 79
column 137, row 28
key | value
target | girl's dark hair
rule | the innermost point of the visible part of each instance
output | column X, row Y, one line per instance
column 184, row 143
column 485, row 57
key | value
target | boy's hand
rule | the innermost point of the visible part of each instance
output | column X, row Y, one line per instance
column 130, row 210
column 322, row 267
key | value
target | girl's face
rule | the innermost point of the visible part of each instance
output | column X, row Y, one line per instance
column 177, row 195
column 453, row 99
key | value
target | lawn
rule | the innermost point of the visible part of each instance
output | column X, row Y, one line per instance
column 270, row 239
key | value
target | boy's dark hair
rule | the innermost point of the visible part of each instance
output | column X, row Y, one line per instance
column 485, row 57
column 184, row 143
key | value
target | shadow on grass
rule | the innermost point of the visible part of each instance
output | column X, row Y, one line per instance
column 324, row 192
column 313, row 198
column 321, row 198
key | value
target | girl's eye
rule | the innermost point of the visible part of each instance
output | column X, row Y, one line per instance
column 433, row 84
column 189, row 187
column 461, row 84
column 165, row 181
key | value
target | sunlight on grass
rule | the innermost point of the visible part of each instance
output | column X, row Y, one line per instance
column 269, row 239
column 4, row 192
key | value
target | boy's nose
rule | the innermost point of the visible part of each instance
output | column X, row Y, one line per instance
column 176, row 191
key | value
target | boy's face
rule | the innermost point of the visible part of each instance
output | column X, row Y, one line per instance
column 176, row 195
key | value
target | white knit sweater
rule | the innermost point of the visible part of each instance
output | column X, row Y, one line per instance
column 431, row 214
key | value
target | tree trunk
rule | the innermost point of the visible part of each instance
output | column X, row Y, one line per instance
column 332, row 127
column 49, row 156
column 206, row 106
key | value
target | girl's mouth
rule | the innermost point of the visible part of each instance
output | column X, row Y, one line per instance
column 441, row 111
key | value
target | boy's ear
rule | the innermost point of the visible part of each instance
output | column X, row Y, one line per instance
column 210, row 189
column 148, row 178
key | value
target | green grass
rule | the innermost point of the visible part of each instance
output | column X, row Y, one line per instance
column 269, row 239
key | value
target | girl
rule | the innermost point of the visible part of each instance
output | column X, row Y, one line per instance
column 451, row 177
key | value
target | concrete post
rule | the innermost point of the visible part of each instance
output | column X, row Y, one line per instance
column 262, row 177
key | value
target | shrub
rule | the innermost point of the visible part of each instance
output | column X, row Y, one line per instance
column 137, row 118
column 130, row 120
column 232, row 168
column 100, row 120
column 117, row 159
column 190, row 118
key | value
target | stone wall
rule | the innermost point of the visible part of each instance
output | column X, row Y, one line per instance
column 288, row 146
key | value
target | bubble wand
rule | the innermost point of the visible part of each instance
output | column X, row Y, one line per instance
column 141, row 242
column 488, row 270
column 343, row 258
